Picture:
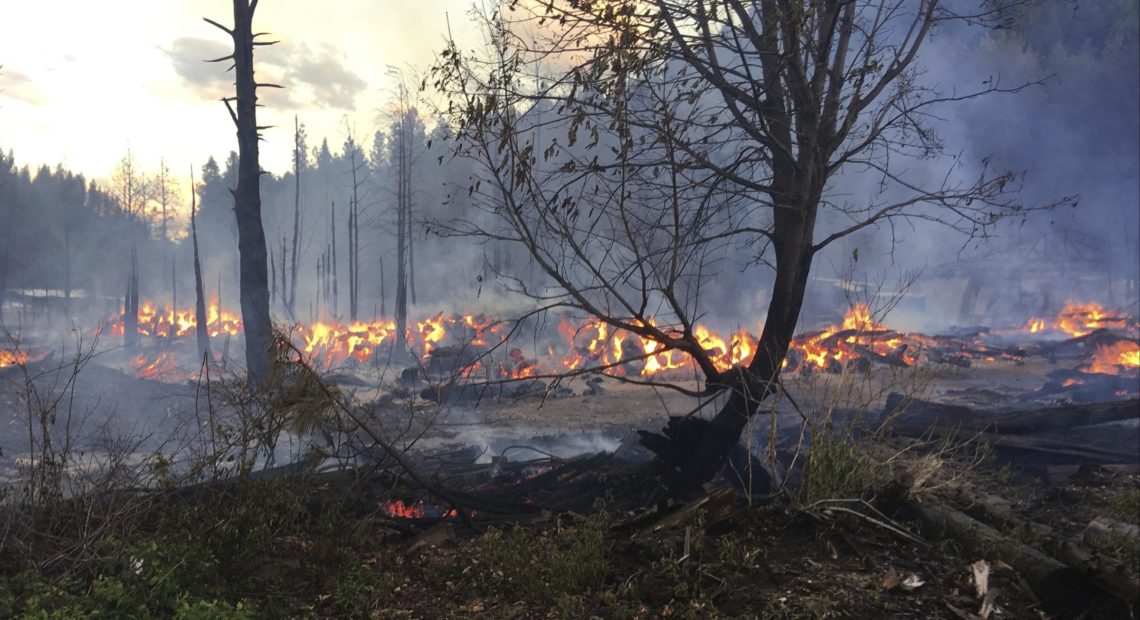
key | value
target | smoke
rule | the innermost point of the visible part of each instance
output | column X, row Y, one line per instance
column 1073, row 130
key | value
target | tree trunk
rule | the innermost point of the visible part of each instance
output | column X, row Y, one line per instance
column 284, row 272
column 794, row 225
column 296, row 213
column 351, row 262
column 200, row 319
column 272, row 274
column 411, row 242
column 131, row 302
column 335, row 305
column 401, row 250
column 383, row 297
column 253, row 270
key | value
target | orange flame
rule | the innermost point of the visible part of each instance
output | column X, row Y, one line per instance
column 1114, row 358
column 1078, row 319
column 12, row 358
column 162, row 365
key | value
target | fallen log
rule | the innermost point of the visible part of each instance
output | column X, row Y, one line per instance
column 911, row 415
column 1060, row 588
column 1108, row 573
column 1039, row 453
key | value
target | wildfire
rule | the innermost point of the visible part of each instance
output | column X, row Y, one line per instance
column 167, row 321
column 160, row 366
column 12, row 358
column 1078, row 319
column 1114, row 358
column 1036, row 326
column 596, row 344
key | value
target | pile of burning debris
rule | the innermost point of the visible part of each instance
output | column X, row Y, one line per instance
column 1100, row 348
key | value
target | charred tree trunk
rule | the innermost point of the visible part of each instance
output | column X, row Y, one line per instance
column 697, row 453
column 284, row 273
column 411, row 245
column 351, row 263
column 253, row 270
column 296, row 213
column 383, row 297
column 401, row 258
column 131, row 302
column 332, row 235
column 200, row 319
column 4, row 280
column 272, row 274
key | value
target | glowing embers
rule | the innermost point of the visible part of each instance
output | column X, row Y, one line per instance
column 419, row 509
column 160, row 366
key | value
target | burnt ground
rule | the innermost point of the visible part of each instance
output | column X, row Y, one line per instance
column 788, row 560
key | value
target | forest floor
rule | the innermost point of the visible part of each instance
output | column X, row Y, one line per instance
column 302, row 548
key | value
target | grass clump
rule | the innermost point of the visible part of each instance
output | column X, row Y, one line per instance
column 549, row 568
column 835, row 469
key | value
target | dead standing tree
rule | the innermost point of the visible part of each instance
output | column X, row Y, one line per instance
column 201, row 319
column 688, row 131
column 253, row 270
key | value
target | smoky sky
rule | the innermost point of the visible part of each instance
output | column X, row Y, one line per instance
column 1074, row 129
column 312, row 76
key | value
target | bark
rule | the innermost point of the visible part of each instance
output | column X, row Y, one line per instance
column 200, row 318
column 253, row 269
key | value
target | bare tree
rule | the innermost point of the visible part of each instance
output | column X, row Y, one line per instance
column 359, row 171
column 299, row 163
column 687, row 132
column 165, row 194
column 253, row 270
column 404, row 151
column 200, row 318
column 130, row 186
